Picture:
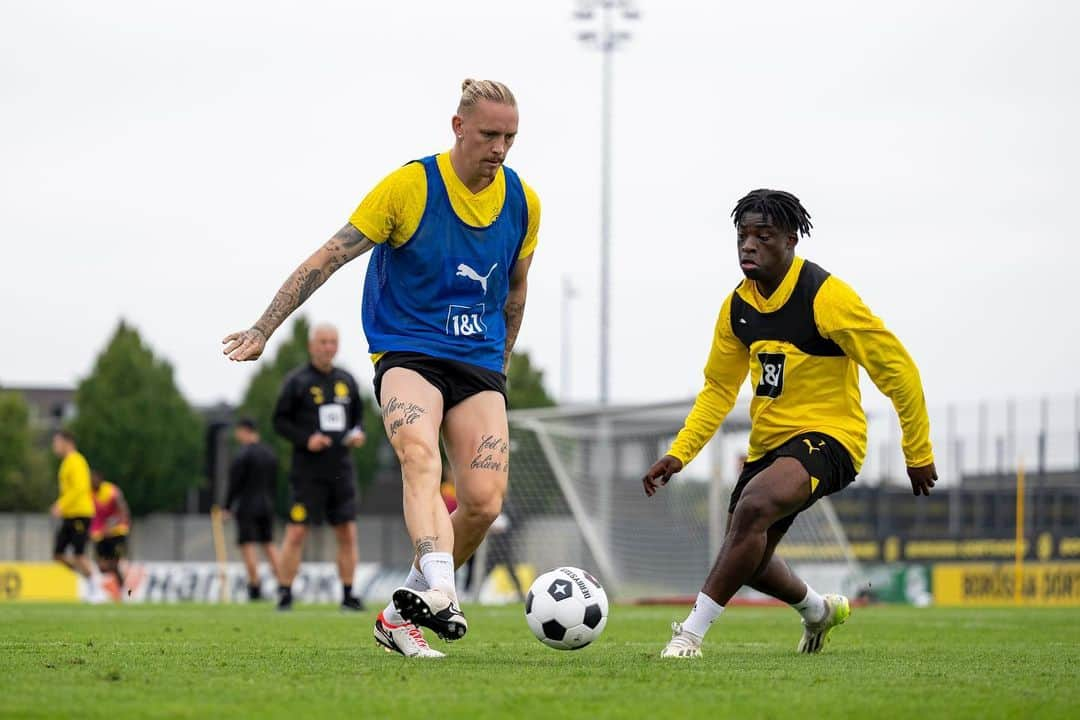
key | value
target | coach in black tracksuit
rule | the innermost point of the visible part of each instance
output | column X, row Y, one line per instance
column 320, row 412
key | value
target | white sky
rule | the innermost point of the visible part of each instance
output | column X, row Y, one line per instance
column 172, row 162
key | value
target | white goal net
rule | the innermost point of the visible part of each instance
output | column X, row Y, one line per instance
column 576, row 498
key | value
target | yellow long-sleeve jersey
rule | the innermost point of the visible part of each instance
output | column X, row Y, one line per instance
column 801, row 346
column 76, row 496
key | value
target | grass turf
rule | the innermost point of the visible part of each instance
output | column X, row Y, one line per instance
column 198, row 661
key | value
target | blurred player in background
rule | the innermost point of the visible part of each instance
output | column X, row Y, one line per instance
column 444, row 297
column 109, row 529
column 320, row 412
column 74, row 507
column 250, row 499
column 801, row 333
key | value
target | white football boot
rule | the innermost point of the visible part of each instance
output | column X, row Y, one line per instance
column 432, row 609
column 816, row 635
column 405, row 639
column 683, row 643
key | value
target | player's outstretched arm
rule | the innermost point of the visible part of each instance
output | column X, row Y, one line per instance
column 660, row 473
column 514, row 311
column 845, row 319
column 346, row 244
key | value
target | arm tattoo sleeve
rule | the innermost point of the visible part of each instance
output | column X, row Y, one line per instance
column 513, row 312
column 346, row 244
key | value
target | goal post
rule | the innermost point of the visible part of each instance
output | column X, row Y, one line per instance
column 575, row 498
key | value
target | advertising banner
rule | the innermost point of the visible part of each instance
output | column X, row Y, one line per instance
column 37, row 581
column 206, row 583
column 990, row 584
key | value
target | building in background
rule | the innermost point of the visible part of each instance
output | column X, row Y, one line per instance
column 50, row 407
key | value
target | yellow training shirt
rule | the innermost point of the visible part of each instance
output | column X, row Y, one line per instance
column 76, row 496
column 801, row 347
column 392, row 211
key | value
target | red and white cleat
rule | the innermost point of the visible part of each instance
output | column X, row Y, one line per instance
column 405, row 639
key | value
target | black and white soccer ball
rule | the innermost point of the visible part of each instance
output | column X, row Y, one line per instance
column 566, row 608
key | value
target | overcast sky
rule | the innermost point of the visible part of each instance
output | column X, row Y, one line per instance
column 171, row 162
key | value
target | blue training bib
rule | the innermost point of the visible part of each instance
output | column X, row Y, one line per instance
column 442, row 293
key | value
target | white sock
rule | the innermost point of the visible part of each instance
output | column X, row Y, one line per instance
column 703, row 614
column 438, row 569
column 811, row 607
column 415, row 581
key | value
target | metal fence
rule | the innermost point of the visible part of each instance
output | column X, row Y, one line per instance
column 989, row 437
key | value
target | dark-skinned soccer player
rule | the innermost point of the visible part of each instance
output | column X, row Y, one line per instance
column 801, row 334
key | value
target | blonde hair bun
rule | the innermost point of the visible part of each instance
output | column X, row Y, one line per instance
column 473, row 91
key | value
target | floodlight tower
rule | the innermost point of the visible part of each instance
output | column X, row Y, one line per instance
column 605, row 36
column 569, row 292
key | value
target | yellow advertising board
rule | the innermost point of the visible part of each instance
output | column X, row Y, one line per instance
column 37, row 581
column 990, row 584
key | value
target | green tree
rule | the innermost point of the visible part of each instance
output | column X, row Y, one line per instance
column 525, row 384
column 135, row 426
column 26, row 479
column 261, row 396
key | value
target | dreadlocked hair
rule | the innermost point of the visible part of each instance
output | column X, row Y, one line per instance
column 781, row 208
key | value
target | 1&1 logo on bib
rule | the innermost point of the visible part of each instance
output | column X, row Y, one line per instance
column 466, row 321
column 771, row 384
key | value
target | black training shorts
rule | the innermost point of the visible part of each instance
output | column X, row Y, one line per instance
column 254, row 529
column 111, row 548
column 827, row 461
column 455, row 380
column 319, row 496
column 73, row 532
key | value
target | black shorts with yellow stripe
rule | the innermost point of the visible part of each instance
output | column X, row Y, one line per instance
column 73, row 533
column 825, row 459
column 319, row 497
column 111, row 548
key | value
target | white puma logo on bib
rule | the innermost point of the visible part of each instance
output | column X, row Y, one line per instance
column 464, row 270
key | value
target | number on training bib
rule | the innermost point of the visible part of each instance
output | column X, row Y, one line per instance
column 332, row 418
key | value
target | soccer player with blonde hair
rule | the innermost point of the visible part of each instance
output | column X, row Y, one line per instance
column 453, row 236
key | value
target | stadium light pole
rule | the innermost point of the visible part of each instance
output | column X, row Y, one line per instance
column 606, row 38
column 569, row 292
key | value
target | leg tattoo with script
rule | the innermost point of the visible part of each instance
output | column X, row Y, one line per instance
column 398, row 414
column 493, row 453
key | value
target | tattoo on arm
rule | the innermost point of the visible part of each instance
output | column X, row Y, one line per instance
column 346, row 244
column 426, row 545
column 514, row 312
column 297, row 288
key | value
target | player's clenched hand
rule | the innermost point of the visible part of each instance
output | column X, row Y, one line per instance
column 660, row 473
column 246, row 345
column 922, row 478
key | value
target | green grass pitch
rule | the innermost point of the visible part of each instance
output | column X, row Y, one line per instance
column 197, row 661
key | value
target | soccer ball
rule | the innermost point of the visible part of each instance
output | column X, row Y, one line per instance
column 566, row 608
